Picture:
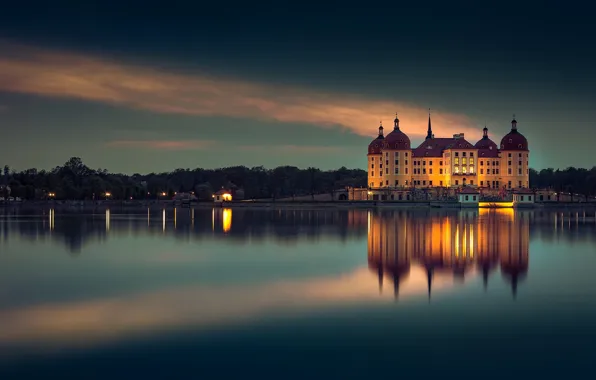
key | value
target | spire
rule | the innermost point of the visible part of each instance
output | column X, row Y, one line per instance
column 381, row 129
column 396, row 123
column 485, row 133
column 429, row 275
column 514, row 124
column 429, row 132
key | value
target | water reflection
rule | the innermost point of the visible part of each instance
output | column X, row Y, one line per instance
column 447, row 244
column 412, row 253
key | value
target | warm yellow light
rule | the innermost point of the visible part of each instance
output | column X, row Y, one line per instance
column 227, row 219
column 370, row 193
column 495, row 204
column 226, row 197
column 163, row 194
column 108, row 194
column 51, row 195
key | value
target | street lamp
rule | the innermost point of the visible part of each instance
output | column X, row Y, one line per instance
column 108, row 194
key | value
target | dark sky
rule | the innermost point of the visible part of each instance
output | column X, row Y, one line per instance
column 135, row 88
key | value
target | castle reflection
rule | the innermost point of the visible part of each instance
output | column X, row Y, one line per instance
column 449, row 243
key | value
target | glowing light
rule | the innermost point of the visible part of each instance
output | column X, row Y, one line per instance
column 51, row 216
column 51, row 195
column 163, row 193
column 495, row 204
column 108, row 194
column 227, row 219
column 107, row 220
column 163, row 220
column 148, row 216
column 175, row 217
column 226, row 197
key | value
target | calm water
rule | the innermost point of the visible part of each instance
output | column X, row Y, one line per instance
column 292, row 294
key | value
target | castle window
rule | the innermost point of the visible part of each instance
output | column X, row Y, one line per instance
column 509, row 171
column 424, row 183
column 520, row 153
column 471, row 154
column 440, row 163
column 471, row 169
column 519, row 171
column 519, row 163
column 396, row 182
column 406, row 162
column 481, row 171
column 481, row 182
column 456, row 170
column 406, row 172
column 456, row 154
column 406, row 154
column 386, row 162
column 456, row 161
column 440, row 171
column 509, row 153
column 463, row 154
column 520, row 185
column 471, row 182
column 463, row 170
column 380, row 173
column 423, row 162
column 430, row 162
column 456, row 182
column 372, row 166
column 372, row 173
column 441, row 183
column 386, row 183
column 423, row 171
column 386, row 170
column 481, row 163
column 464, row 161
column 430, row 183
column 380, row 166
column 509, row 163
column 396, row 170
column 471, row 161
column 396, row 162
column 509, row 184
column 430, row 171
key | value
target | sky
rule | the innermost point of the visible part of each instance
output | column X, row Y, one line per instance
column 134, row 88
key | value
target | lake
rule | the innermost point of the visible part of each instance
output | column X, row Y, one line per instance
column 283, row 293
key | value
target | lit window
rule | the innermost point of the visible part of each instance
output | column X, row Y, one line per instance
column 463, row 170
column 471, row 169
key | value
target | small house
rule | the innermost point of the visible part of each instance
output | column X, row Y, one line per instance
column 469, row 197
column 223, row 195
column 523, row 197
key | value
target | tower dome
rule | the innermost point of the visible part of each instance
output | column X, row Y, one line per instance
column 397, row 139
column 485, row 142
column 377, row 144
column 514, row 140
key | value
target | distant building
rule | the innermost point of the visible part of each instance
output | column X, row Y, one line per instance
column 447, row 162
column 223, row 195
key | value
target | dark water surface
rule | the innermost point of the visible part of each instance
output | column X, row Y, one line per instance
column 297, row 294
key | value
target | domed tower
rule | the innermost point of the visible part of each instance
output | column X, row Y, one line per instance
column 488, row 161
column 374, row 156
column 396, row 157
column 515, row 155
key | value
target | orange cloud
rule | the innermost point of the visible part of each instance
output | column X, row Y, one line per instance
column 162, row 144
column 65, row 74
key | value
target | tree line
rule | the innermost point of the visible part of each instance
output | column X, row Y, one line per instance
column 75, row 180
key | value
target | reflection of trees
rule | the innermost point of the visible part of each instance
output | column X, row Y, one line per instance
column 284, row 226
column 449, row 242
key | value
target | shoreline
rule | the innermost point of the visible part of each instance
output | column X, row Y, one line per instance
column 82, row 205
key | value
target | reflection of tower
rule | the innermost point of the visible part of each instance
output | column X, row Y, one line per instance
column 388, row 246
column 222, row 217
column 448, row 243
column 487, row 254
column 514, row 253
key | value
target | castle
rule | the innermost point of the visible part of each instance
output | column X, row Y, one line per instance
column 447, row 162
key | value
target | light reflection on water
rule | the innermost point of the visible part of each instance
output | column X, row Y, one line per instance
column 199, row 270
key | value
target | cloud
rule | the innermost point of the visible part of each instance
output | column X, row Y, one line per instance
column 101, row 320
column 71, row 75
column 162, row 144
